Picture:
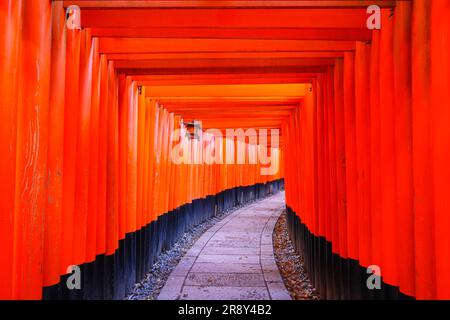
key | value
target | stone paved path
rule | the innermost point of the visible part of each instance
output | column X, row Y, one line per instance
column 233, row 260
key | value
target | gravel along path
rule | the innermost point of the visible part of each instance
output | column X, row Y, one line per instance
column 154, row 281
column 290, row 264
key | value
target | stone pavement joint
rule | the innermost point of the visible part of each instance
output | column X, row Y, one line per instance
column 233, row 260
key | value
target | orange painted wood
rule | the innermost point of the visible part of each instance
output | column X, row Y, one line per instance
column 152, row 148
column 404, row 147
column 148, row 45
column 147, row 164
column 82, row 169
column 362, row 128
column 112, row 223
column 55, row 157
column 237, row 18
column 334, row 220
column 361, row 33
column 104, row 113
column 131, row 150
column 124, row 83
column 10, row 40
column 440, row 100
column 388, row 201
column 141, row 169
column 222, row 63
column 326, row 288
column 350, row 156
column 70, row 145
column 31, row 154
column 424, row 247
column 321, row 170
column 364, row 117
column 229, row 4
column 375, row 162
column 93, row 200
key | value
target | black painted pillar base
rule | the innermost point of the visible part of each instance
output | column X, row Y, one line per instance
column 335, row 278
column 114, row 276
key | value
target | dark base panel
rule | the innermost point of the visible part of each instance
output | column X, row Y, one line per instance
column 333, row 276
column 113, row 276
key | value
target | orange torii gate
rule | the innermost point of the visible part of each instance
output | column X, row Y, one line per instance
column 88, row 115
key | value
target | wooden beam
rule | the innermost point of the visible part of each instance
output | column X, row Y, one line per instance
column 260, row 91
column 221, row 63
column 240, row 70
column 224, row 55
column 207, row 77
column 218, row 18
column 361, row 34
column 228, row 4
column 268, row 80
column 139, row 45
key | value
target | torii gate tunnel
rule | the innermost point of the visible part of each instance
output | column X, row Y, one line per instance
column 125, row 124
